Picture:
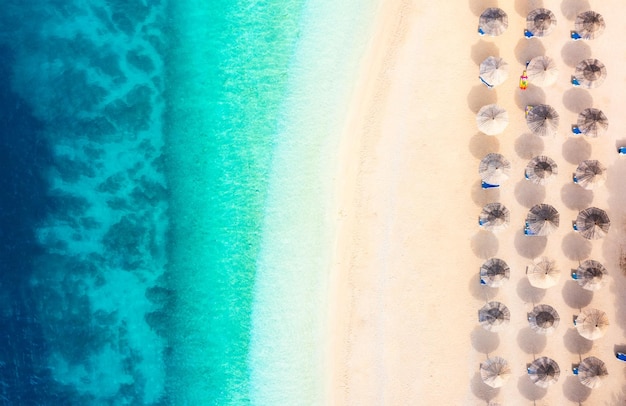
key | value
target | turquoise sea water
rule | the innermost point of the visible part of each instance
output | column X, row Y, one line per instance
column 170, row 167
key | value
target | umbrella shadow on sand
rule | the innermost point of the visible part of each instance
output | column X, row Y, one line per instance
column 574, row 391
column 529, row 247
column 575, row 197
column 482, row 196
column 478, row 6
column 481, row 50
column 529, row 194
column 571, row 8
column 576, row 150
column 482, row 144
column 481, row 390
column 528, row 145
column 528, row 389
column 532, row 96
column 577, row 99
column 576, row 248
column 575, row 51
column 484, row 244
column 480, row 96
column 526, row 50
column 575, row 296
column 530, row 342
column 484, row 341
column 528, row 293
column 575, row 343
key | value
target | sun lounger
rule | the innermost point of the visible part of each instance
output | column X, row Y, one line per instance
column 480, row 223
column 620, row 356
column 482, row 282
column 486, row 185
column 528, row 34
column 621, row 150
column 574, row 318
column 574, row 275
column 528, row 232
column 490, row 86
column 574, row 178
column 576, row 130
column 575, row 369
column 480, row 31
column 575, row 36
column 574, row 226
column 575, row 82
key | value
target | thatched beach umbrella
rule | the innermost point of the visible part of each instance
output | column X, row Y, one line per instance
column 542, row 219
column 592, row 223
column 493, row 71
column 542, row 71
column 495, row 371
column 540, row 22
column 544, row 372
column 492, row 119
column 590, row 174
column 543, row 273
column 591, row 275
column 592, row 122
column 543, row 319
column 592, row 323
column 588, row 25
column 494, row 169
column 493, row 21
column 541, row 169
column 494, row 316
column 494, row 272
column 542, row 119
column 591, row 372
column 494, row 217
column 589, row 73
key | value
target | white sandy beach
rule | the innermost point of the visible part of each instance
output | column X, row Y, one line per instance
column 405, row 288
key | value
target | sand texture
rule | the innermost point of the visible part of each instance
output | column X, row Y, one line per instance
column 406, row 292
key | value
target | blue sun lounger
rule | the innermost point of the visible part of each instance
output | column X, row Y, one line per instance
column 621, row 150
column 574, row 275
column 575, row 36
column 576, row 130
column 486, row 185
column 575, row 369
column 574, row 226
column 480, row 31
column 574, row 178
column 620, row 356
column 482, row 282
column 490, row 86
column 528, row 34
column 575, row 82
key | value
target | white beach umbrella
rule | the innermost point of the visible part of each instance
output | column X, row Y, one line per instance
column 493, row 21
column 589, row 25
column 494, row 169
column 592, row 371
column 492, row 119
column 541, row 169
column 591, row 275
column 592, row 223
column 494, row 217
column 589, row 73
column 543, row 273
column 542, row 71
column 495, row 371
column 493, row 71
column 544, row 319
column 544, row 372
column 542, row 119
column 494, row 316
column 592, row 323
column 590, row 174
column 494, row 272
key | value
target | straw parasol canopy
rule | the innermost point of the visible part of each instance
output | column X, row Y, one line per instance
column 544, row 372
column 494, row 272
column 543, row 274
column 590, row 73
column 592, row 223
column 494, row 217
column 540, row 22
column 492, row 119
column 495, row 371
column 494, row 316
column 493, row 21
column 494, row 169
column 592, row 323
column 592, row 122
column 542, row 120
column 542, row 71
column 542, row 219
column 591, row 372
column 589, row 24
column 589, row 174
column 541, row 169
column 591, row 275
column 543, row 319
column 494, row 70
